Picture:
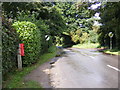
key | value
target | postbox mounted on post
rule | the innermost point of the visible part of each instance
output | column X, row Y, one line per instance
column 21, row 49
column 21, row 53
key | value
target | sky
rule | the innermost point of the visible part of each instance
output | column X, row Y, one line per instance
column 97, row 14
column 95, row 6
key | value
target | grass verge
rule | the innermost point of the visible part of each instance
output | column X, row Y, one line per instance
column 96, row 45
column 113, row 51
column 86, row 45
column 16, row 79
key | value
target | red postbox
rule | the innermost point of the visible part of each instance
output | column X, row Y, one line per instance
column 21, row 46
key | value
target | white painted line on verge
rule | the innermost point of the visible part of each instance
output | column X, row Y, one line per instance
column 114, row 68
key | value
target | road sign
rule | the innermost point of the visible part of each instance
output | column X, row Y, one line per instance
column 110, row 34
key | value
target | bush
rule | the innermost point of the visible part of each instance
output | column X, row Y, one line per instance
column 44, row 29
column 75, row 35
column 84, row 38
column 9, row 47
column 93, row 36
column 52, row 49
column 30, row 35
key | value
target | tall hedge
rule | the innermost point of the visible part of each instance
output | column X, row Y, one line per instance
column 9, row 47
column 30, row 35
column 44, row 29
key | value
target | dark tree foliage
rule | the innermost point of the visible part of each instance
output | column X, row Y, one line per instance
column 45, row 11
column 67, row 41
column 110, row 19
column 75, row 14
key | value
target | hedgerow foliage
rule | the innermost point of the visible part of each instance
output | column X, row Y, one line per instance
column 44, row 29
column 30, row 35
column 9, row 47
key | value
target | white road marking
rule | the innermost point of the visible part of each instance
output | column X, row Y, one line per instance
column 114, row 68
column 84, row 54
column 91, row 56
column 87, row 55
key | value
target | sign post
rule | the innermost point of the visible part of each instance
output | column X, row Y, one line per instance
column 20, row 53
column 110, row 35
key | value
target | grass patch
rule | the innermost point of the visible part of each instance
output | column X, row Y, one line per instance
column 113, row 51
column 16, row 79
column 87, row 45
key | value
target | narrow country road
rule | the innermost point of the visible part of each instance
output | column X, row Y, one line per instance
column 85, row 68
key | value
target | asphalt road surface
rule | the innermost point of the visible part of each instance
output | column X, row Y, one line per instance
column 85, row 68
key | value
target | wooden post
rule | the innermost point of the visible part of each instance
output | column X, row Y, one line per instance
column 19, row 60
column 110, row 35
column 110, row 43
